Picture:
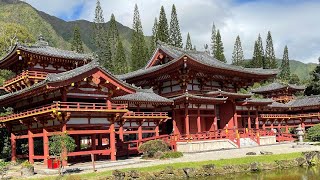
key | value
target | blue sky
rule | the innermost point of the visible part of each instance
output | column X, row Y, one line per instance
column 292, row 22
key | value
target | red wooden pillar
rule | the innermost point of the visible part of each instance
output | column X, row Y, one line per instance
column 45, row 146
column 109, row 105
column 271, row 126
column 121, row 131
column 302, row 123
column 186, row 119
column 257, row 119
column 139, row 131
column 215, row 119
column 264, row 125
column 157, row 128
column 235, row 116
column 93, row 141
column 198, row 119
column 77, row 139
column 287, row 128
column 30, row 145
column 13, row 147
column 112, row 142
column 249, row 119
column 64, row 153
column 174, row 122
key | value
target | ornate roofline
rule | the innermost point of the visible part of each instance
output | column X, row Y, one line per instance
column 277, row 86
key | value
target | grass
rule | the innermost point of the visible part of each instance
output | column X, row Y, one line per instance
column 221, row 162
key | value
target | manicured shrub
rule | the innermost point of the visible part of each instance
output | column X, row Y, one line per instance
column 171, row 154
column 314, row 133
column 151, row 147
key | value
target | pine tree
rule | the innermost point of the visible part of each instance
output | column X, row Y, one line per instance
column 77, row 44
column 260, row 53
column 139, row 50
column 285, row 66
column 237, row 55
column 163, row 30
column 113, row 38
column 188, row 43
column 121, row 66
column 219, row 50
column 255, row 62
column 153, row 41
column 213, row 40
column 100, row 38
column 175, row 37
column 270, row 59
column 313, row 87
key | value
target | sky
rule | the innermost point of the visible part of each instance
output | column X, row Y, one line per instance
column 294, row 23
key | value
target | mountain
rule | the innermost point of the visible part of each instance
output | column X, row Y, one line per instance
column 301, row 69
column 56, row 31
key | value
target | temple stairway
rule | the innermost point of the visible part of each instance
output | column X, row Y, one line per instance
column 247, row 142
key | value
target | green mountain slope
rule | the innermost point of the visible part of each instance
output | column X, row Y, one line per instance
column 301, row 69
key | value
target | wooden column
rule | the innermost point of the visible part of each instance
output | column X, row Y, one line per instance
column 109, row 104
column 93, row 142
column 121, row 130
column 249, row 119
column 186, row 119
column 257, row 119
column 78, row 142
column 112, row 141
column 174, row 122
column 139, row 131
column 264, row 125
column 13, row 147
column 302, row 123
column 235, row 117
column 45, row 146
column 157, row 128
column 198, row 119
column 215, row 120
column 30, row 145
column 64, row 153
column 287, row 128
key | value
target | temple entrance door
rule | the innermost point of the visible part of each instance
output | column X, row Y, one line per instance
column 226, row 113
column 168, row 125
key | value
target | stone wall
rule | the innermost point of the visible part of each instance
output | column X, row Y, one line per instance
column 265, row 140
column 201, row 146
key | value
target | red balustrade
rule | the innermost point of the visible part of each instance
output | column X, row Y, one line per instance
column 289, row 116
column 29, row 74
column 146, row 114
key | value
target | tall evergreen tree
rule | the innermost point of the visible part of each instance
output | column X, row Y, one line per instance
column 260, row 53
column 313, row 87
column 285, row 66
column 77, row 44
column 163, row 30
column 153, row 41
column 270, row 59
column 175, row 37
column 213, row 39
column 139, row 50
column 113, row 38
column 237, row 55
column 188, row 43
column 219, row 49
column 100, row 38
column 121, row 66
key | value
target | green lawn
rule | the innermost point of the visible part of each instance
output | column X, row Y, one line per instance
column 222, row 162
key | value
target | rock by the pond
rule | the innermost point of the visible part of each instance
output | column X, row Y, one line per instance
column 118, row 175
column 254, row 166
column 190, row 172
column 287, row 163
column 302, row 161
column 251, row 153
column 133, row 174
column 266, row 152
column 27, row 171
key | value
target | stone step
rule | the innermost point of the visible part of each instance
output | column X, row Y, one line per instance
column 247, row 142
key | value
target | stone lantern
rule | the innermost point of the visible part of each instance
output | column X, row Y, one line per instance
column 300, row 133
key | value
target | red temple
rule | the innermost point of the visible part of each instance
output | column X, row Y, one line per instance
column 187, row 98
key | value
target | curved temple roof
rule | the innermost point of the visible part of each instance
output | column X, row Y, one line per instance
column 200, row 57
column 277, row 86
column 300, row 102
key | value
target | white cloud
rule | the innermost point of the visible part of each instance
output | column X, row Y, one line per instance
column 292, row 23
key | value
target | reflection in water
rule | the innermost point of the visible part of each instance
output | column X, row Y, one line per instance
column 301, row 173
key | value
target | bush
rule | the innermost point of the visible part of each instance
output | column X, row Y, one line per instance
column 3, row 168
column 314, row 133
column 26, row 164
column 151, row 147
column 171, row 154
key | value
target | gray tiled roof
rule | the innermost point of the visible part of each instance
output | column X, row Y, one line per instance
column 143, row 95
column 44, row 49
column 198, row 97
column 198, row 56
column 256, row 100
column 276, row 86
column 304, row 101
column 224, row 93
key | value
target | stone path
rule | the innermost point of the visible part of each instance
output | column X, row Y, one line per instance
column 136, row 162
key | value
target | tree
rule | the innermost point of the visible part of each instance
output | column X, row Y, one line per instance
column 285, row 68
column 77, row 44
column 294, row 79
column 175, row 37
column 219, row 50
column 260, row 53
column 60, row 144
column 113, row 38
column 270, row 59
column 213, row 39
column 313, row 87
column 237, row 55
column 139, row 50
column 121, row 66
column 154, row 39
column 255, row 62
column 100, row 38
column 163, row 31
column 188, row 43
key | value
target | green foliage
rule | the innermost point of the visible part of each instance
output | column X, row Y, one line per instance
column 5, row 148
column 270, row 59
column 59, row 143
column 153, row 42
column 188, row 43
column 151, row 147
column 77, row 44
column 219, row 49
column 139, row 51
column 121, row 65
column 213, row 39
column 26, row 164
column 314, row 133
column 5, row 75
column 175, row 37
column 285, row 66
column 237, row 55
column 4, row 166
column 171, row 154
column 313, row 87
column 294, row 79
column 163, row 30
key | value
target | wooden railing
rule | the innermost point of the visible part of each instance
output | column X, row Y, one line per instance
column 146, row 114
column 288, row 116
column 29, row 74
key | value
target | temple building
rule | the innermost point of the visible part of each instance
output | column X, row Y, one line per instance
column 183, row 97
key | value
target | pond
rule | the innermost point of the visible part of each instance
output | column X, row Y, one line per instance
column 298, row 173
